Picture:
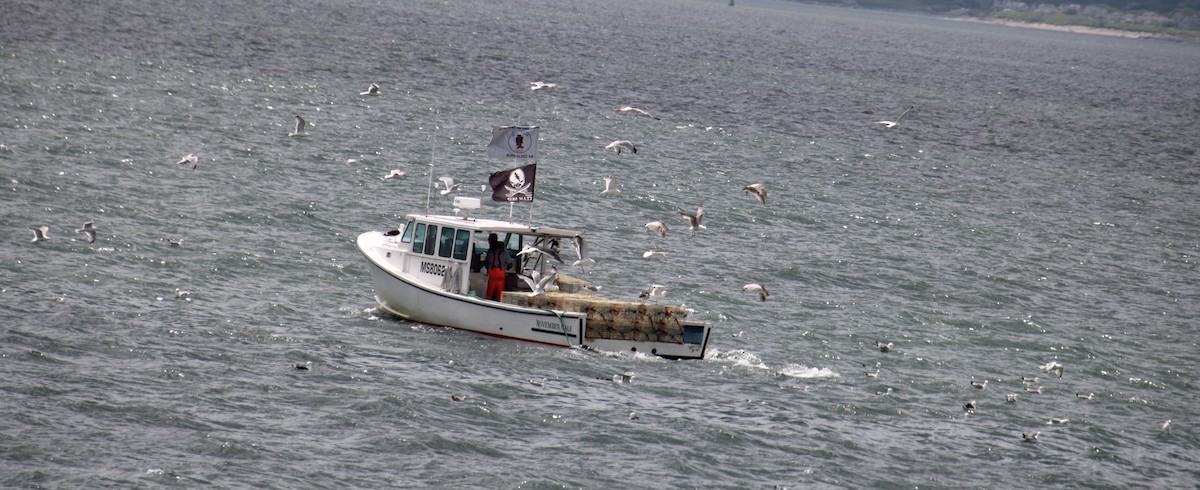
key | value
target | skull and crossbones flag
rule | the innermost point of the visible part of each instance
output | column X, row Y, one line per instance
column 514, row 184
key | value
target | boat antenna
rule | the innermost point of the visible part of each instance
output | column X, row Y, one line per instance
column 432, row 155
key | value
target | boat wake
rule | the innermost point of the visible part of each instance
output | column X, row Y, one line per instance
column 798, row 371
column 737, row 358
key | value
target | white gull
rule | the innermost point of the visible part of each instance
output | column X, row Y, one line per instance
column 299, row 130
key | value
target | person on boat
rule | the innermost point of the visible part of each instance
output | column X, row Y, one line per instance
column 497, row 263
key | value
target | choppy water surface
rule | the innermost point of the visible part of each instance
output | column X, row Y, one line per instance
column 1039, row 205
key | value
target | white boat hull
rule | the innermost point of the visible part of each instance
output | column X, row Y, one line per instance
column 404, row 295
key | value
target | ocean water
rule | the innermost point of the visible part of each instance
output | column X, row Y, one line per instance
column 1039, row 205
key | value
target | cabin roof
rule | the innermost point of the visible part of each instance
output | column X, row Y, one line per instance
column 492, row 225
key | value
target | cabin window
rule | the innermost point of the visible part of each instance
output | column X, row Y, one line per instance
column 446, row 244
column 408, row 233
column 419, row 238
column 430, row 240
column 461, row 243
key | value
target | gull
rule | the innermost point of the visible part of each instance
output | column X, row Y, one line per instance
column 758, row 190
column 89, row 229
column 449, row 183
column 657, row 227
column 1036, row 391
column 694, row 219
column 871, row 375
column 40, row 233
column 1011, row 398
column 625, row 377
column 969, row 407
column 175, row 242
column 189, row 158
column 458, row 398
column 633, row 416
column 299, row 127
column 541, row 85
column 883, row 347
column 610, row 187
column 1030, row 437
column 303, row 366
column 737, row 334
column 1053, row 367
column 1166, row 424
column 658, row 252
column 1058, row 422
column 581, row 250
column 372, row 90
column 537, row 282
column 532, row 250
column 1082, row 396
column 635, row 110
column 394, row 173
column 536, row 382
column 1029, row 379
column 979, row 384
column 892, row 124
column 756, row 288
column 619, row 145
column 657, row 291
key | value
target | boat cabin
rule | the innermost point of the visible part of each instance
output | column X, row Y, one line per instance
column 449, row 251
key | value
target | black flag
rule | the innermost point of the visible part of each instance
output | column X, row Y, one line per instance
column 514, row 184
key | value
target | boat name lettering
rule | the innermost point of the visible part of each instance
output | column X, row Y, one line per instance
column 432, row 268
column 551, row 325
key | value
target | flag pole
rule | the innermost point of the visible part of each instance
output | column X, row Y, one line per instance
column 531, row 203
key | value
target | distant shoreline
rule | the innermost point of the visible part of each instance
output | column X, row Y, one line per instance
column 1101, row 31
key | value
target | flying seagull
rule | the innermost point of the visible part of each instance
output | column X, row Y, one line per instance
column 892, row 124
column 88, row 229
column 756, row 288
column 610, row 187
column 658, row 252
column 300, row 124
column 635, row 110
column 758, row 190
column 189, row 158
column 694, row 219
column 449, row 183
column 619, row 145
column 394, row 173
column 372, row 90
column 541, row 85
column 580, row 247
column 40, row 233
column 537, row 282
column 657, row 227
column 532, row 250
column 1053, row 367
column 657, row 291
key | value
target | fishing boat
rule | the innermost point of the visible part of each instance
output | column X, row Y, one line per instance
column 431, row 270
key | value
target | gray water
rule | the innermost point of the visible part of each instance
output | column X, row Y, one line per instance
column 1039, row 205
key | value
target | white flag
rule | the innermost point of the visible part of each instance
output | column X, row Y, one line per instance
column 513, row 142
